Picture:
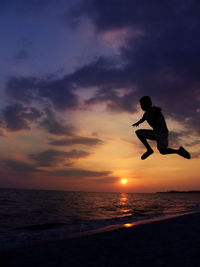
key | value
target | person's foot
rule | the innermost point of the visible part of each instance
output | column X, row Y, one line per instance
column 184, row 153
column 147, row 154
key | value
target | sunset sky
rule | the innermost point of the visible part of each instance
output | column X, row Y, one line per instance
column 71, row 76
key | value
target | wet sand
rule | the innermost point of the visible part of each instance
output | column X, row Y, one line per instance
column 171, row 242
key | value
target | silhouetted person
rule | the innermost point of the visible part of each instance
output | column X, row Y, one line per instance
column 156, row 120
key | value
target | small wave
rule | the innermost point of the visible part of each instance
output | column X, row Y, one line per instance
column 34, row 234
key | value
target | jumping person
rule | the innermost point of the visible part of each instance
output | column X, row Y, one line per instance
column 156, row 120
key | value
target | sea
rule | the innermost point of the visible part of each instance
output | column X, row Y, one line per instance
column 28, row 217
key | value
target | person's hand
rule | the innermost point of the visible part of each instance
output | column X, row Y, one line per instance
column 135, row 124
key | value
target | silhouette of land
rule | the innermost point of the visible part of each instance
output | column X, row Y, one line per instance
column 172, row 242
column 180, row 192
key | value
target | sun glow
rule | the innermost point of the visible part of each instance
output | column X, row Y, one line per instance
column 123, row 181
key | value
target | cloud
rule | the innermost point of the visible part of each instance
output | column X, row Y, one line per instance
column 26, row 169
column 107, row 180
column 18, row 117
column 174, row 137
column 163, row 62
column 100, row 72
column 195, row 155
column 57, row 92
column 111, row 15
column 125, row 102
column 20, row 166
column 52, row 157
column 193, row 141
column 77, row 140
column 2, row 126
column 113, row 81
column 79, row 173
column 55, row 126
column 104, row 177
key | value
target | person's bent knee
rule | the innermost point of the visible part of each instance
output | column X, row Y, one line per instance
column 138, row 132
column 162, row 151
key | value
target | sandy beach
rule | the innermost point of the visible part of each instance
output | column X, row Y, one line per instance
column 171, row 242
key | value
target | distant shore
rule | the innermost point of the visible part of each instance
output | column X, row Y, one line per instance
column 177, row 192
column 171, row 242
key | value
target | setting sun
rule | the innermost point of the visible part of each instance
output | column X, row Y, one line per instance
column 123, row 181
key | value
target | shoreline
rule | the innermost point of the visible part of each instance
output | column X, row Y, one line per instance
column 130, row 224
column 170, row 242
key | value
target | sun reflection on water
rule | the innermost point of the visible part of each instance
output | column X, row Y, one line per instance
column 123, row 202
column 127, row 225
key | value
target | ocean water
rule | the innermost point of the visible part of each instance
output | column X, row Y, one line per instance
column 30, row 216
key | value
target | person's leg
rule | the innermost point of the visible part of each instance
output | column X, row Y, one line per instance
column 168, row 150
column 181, row 152
column 164, row 149
column 143, row 135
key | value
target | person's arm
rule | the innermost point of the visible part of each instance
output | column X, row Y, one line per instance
column 140, row 121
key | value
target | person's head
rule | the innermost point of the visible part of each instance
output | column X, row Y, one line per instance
column 145, row 103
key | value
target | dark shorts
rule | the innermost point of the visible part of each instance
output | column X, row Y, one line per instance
column 162, row 139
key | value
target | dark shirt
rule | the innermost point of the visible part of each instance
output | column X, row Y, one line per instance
column 156, row 120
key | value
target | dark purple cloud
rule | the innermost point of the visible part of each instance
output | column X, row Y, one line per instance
column 20, row 166
column 115, row 14
column 55, row 126
column 79, row 173
column 174, row 138
column 52, row 157
column 162, row 62
column 2, row 125
column 177, row 139
column 57, row 92
column 100, row 72
column 18, row 117
column 76, row 140
column 28, row 169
